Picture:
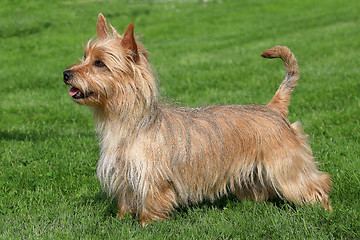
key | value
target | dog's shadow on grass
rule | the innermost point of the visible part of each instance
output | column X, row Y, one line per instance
column 222, row 203
column 101, row 199
column 228, row 201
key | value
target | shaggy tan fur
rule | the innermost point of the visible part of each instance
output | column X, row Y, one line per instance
column 155, row 157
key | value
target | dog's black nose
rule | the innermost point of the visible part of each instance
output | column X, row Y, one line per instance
column 67, row 75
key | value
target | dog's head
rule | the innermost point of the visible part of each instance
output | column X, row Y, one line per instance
column 114, row 70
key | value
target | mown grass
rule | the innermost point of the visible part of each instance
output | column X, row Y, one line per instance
column 204, row 53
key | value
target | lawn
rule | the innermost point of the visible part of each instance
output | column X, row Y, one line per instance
column 204, row 52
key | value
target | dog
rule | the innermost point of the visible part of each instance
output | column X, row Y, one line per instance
column 155, row 157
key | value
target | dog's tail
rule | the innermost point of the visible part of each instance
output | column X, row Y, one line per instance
column 281, row 99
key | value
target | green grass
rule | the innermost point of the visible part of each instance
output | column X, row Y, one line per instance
column 204, row 53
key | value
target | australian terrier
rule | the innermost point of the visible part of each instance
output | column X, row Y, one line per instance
column 155, row 157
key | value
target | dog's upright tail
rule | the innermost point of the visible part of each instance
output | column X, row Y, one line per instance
column 281, row 99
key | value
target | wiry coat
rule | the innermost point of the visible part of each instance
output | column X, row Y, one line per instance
column 155, row 157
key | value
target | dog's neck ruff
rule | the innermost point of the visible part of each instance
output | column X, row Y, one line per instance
column 116, row 130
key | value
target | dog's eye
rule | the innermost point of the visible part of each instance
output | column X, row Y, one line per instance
column 99, row 63
column 84, row 56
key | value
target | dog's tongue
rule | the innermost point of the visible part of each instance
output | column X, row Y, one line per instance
column 73, row 91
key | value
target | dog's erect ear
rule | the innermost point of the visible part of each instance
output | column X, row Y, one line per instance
column 129, row 41
column 102, row 28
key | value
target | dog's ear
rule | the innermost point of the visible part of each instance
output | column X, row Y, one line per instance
column 102, row 28
column 129, row 42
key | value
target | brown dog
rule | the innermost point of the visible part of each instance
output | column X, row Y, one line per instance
column 155, row 157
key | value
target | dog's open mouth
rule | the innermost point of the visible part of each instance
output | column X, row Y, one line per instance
column 76, row 93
